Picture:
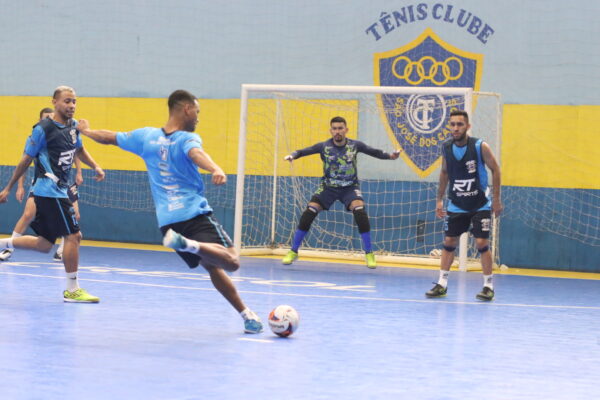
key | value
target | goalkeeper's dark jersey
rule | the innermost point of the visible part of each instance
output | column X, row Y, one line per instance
column 339, row 162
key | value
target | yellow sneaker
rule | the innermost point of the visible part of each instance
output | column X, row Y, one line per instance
column 289, row 258
column 371, row 260
column 79, row 296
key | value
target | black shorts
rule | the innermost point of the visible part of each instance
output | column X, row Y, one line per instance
column 203, row 228
column 54, row 218
column 327, row 195
column 73, row 193
column 456, row 224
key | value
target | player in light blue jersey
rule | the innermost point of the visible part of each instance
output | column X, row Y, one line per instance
column 464, row 173
column 173, row 155
column 54, row 143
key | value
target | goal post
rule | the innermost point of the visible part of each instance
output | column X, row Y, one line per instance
column 275, row 120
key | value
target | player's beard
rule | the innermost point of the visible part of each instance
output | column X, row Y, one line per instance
column 460, row 138
column 190, row 126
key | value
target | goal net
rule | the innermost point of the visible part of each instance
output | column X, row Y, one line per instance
column 400, row 195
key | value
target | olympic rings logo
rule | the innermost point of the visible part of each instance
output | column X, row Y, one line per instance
column 428, row 68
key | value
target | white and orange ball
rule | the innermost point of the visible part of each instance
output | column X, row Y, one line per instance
column 284, row 320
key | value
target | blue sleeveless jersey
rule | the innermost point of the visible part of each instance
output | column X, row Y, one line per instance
column 53, row 145
column 176, row 183
column 468, row 181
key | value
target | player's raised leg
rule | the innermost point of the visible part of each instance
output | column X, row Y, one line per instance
column 211, row 253
column 21, row 226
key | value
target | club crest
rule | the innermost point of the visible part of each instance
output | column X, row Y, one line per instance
column 418, row 123
column 73, row 133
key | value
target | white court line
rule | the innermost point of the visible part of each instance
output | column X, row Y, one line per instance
column 324, row 296
column 257, row 340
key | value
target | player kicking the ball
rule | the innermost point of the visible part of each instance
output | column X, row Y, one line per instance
column 172, row 155
column 339, row 182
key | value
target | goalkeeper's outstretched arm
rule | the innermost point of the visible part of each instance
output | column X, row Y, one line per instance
column 314, row 149
column 373, row 152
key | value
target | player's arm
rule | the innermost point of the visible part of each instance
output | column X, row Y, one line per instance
column 20, row 195
column 443, row 184
column 78, row 172
column 203, row 160
column 18, row 172
column 314, row 149
column 373, row 152
column 100, row 136
column 87, row 159
column 492, row 164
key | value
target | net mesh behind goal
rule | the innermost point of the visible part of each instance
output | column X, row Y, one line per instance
column 400, row 195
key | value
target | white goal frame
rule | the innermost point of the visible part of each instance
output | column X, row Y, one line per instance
column 246, row 89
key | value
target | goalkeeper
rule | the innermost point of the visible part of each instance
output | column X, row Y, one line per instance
column 339, row 182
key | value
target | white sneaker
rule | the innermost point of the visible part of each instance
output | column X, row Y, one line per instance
column 5, row 254
column 174, row 240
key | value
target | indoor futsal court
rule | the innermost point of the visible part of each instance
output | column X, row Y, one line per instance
column 162, row 331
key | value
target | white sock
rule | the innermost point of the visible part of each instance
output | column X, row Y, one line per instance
column 248, row 314
column 16, row 235
column 72, row 282
column 443, row 279
column 61, row 246
column 6, row 243
column 487, row 281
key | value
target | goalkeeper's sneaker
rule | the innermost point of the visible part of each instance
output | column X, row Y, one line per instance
column 5, row 254
column 486, row 294
column 437, row 291
column 174, row 240
column 79, row 296
column 289, row 258
column 57, row 256
column 371, row 263
column 253, row 325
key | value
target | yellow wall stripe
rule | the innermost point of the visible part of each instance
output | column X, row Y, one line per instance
column 551, row 146
column 542, row 145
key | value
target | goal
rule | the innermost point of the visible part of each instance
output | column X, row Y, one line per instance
column 400, row 195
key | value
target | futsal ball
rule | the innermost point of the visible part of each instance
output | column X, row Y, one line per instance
column 284, row 320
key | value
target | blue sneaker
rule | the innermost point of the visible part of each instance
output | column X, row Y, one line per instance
column 253, row 325
column 174, row 240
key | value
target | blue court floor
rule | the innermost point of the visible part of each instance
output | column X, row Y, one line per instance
column 162, row 332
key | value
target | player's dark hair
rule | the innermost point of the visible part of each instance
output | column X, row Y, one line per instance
column 338, row 119
column 61, row 89
column 46, row 110
column 458, row 113
column 180, row 96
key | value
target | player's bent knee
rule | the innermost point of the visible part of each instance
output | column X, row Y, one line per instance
column 356, row 204
column 362, row 219
column 483, row 249
column 43, row 245
column 449, row 249
column 76, row 237
column 233, row 261
column 307, row 218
